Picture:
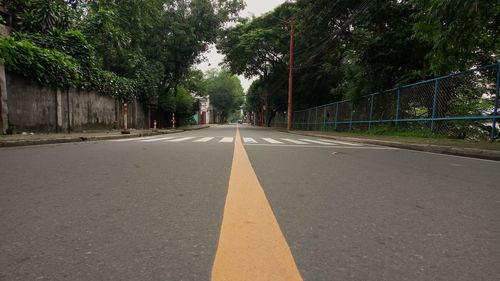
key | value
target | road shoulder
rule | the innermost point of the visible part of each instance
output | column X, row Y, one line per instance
column 39, row 139
column 442, row 149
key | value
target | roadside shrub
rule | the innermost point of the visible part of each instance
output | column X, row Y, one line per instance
column 106, row 82
column 72, row 68
column 47, row 66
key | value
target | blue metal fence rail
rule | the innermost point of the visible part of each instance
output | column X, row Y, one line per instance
column 460, row 105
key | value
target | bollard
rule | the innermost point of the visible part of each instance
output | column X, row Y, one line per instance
column 125, row 115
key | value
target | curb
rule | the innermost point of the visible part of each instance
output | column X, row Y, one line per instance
column 14, row 143
column 449, row 150
column 195, row 128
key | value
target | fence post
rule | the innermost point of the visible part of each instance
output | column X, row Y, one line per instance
column 336, row 115
column 495, row 107
column 352, row 113
column 324, row 118
column 371, row 112
column 397, row 105
column 308, row 118
column 434, row 102
column 316, row 119
column 303, row 119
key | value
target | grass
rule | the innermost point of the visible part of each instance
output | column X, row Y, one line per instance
column 416, row 135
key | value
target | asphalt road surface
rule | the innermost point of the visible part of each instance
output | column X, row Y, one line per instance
column 287, row 207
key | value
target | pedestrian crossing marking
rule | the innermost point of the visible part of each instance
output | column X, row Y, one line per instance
column 249, row 140
column 204, row 139
column 295, row 141
column 270, row 140
column 157, row 139
column 341, row 142
column 227, row 139
column 318, row 142
column 133, row 139
column 181, row 139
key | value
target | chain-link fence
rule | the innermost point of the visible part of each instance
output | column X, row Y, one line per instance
column 463, row 105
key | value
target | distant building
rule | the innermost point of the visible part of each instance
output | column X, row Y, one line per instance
column 204, row 115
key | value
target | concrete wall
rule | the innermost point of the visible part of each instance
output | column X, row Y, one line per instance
column 4, row 32
column 33, row 107
column 3, row 101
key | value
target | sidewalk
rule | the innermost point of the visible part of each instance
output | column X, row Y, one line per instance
column 91, row 135
column 492, row 152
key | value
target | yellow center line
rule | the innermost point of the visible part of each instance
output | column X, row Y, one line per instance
column 251, row 244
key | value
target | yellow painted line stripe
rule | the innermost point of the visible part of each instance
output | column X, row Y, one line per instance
column 251, row 244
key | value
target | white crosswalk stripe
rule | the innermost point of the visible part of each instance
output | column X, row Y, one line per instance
column 249, row 140
column 206, row 139
column 342, row 142
column 181, row 139
column 246, row 140
column 318, row 142
column 133, row 139
column 157, row 139
column 295, row 141
column 269, row 140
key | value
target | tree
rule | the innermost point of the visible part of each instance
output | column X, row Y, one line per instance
column 462, row 33
column 343, row 49
column 225, row 91
column 148, row 45
column 41, row 15
column 260, row 48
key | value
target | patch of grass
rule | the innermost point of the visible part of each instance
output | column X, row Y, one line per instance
column 402, row 132
column 415, row 135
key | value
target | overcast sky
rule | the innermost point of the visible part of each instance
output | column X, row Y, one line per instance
column 253, row 8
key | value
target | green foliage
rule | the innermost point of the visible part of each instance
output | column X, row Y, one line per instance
column 73, row 43
column 155, row 41
column 255, row 97
column 106, row 82
column 184, row 103
column 462, row 33
column 226, row 93
column 390, row 130
column 166, row 101
column 179, row 102
column 253, row 48
column 34, row 16
column 345, row 49
column 45, row 65
column 122, row 48
column 50, row 66
column 195, row 83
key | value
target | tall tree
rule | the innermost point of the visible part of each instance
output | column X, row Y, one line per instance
column 225, row 91
column 462, row 33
